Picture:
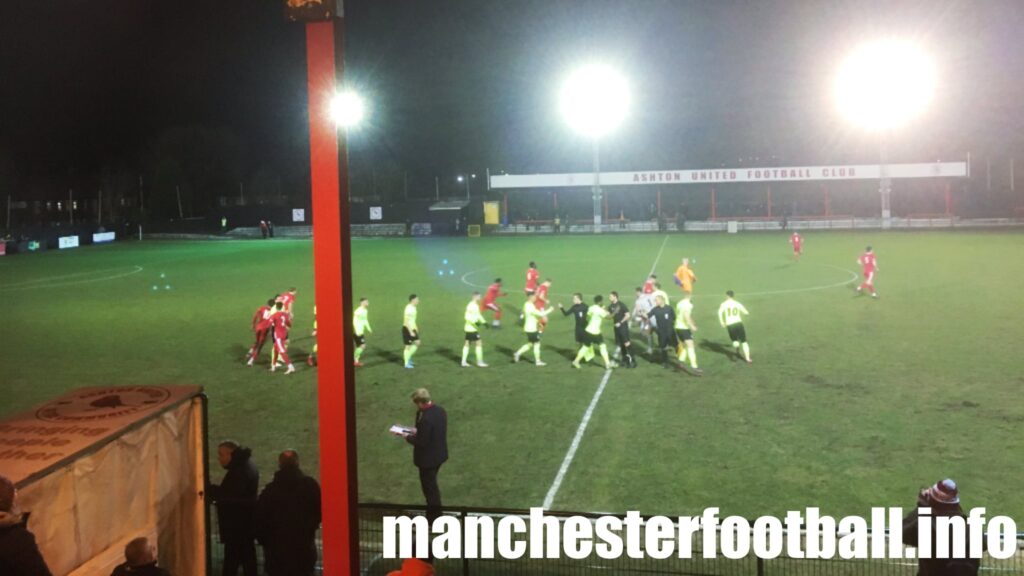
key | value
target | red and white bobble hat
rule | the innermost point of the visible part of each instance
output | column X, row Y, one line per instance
column 944, row 492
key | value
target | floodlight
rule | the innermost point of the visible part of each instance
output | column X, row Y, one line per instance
column 459, row 178
column 347, row 109
column 885, row 84
column 595, row 100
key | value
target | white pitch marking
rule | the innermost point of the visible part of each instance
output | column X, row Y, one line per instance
column 24, row 286
column 567, row 461
column 571, row 454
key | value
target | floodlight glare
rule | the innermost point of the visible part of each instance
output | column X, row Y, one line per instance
column 885, row 84
column 459, row 178
column 595, row 100
column 347, row 109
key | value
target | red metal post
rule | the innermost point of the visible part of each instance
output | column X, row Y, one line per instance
column 828, row 209
column 333, row 280
column 605, row 207
column 713, row 216
column 769, row 201
column 505, row 205
column 659, row 201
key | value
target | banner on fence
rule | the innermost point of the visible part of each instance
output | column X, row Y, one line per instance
column 492, row 213
column 421, row 229
column 736, row 175
column 67, row 242
column 101, row 237
column 298, row 214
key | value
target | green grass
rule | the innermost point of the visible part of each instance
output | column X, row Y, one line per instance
column 851, row 402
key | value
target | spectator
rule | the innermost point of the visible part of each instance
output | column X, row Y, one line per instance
column 287, row 518
column 430, row 448
column 140, row 560
column 19, row 554
column 264, row 230
column 235, row 499
column 944, row 500
column 270, row 227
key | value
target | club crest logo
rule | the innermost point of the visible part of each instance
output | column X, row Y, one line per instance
column 100, row 404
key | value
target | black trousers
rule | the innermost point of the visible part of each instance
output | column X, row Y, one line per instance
column 431, row 491
column 240, row 553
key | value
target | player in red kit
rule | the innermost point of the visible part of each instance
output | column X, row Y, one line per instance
column 797, row 243
column 542, row 301
column 649, row 284
column 490, row 302
column 869, row 266
column 288, row 298
column 532, row 277
column 280, row 322
column 260, row 326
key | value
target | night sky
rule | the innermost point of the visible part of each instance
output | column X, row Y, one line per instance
column 470, row 84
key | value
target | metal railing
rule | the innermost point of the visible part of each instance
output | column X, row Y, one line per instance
column 373, row 563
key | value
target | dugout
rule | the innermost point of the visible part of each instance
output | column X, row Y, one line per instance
column 97, row 467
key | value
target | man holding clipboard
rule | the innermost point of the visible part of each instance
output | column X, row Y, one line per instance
column 430, row 447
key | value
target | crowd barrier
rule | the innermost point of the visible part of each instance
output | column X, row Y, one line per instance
column 373, row 563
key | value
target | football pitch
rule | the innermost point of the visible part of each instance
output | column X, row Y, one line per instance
column 850, row 403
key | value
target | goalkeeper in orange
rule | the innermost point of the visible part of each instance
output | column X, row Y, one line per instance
column 685, row 277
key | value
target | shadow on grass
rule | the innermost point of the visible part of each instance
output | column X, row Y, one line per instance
column 567, row 353
column 504, row 352
column 719, row 348
column 388, row 357
column 240, row 351
column 449, row 353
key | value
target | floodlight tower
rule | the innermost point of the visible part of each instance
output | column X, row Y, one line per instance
column 881, row 86
column 594, row 101
column 332, row 115
column 347, row 110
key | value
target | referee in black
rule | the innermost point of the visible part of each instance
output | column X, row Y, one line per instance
column 578, row 311
column 620, row 322
column 664, row 323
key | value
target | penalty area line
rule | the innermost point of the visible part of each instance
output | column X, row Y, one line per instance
column 549, row 499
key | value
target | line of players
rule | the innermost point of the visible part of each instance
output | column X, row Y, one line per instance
column 652, row 311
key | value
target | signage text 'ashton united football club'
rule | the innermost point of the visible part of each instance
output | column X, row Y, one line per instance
column 734, row 175
column 747, row 175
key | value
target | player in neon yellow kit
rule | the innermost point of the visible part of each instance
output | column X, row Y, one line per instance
column 410, row 331
column 360, row 328
column 685, row 328
column 473, row 319
column 595, row 314
column 730, row 316
column 531, row 326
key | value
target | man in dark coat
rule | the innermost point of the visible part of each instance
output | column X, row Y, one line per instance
column 287, row 519
column 944, row 500
column 235, row 499
column 139, row 560
column 19, row 554
column 430, row 448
